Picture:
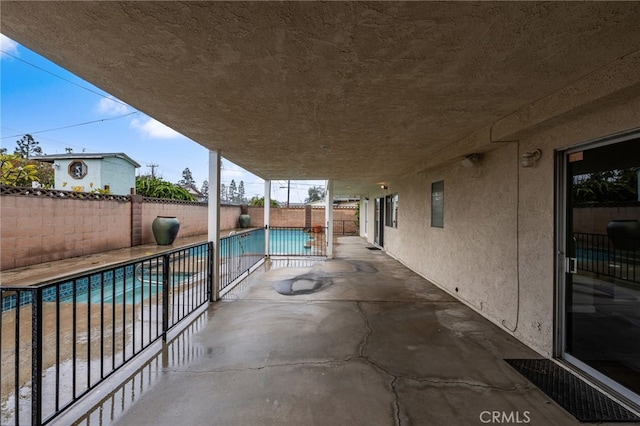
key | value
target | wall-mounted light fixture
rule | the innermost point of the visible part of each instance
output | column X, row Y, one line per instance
column 529, row 159
column 470, row 160
column 384, row 187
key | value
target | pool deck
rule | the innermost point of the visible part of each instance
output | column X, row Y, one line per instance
column 356, row 340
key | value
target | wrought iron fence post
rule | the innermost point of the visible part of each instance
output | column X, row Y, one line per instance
column 36, row 355
column 165, row 296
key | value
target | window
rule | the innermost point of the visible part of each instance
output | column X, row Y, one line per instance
column 78, row 169
column 391, row 211
column 437, row 204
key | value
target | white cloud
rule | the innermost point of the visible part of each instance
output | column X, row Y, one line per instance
column 8, row 45
column 111, row 106
column 154, row 129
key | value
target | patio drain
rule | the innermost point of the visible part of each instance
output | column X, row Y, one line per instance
column 583, row 401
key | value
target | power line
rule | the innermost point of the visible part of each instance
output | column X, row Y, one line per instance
column 72, row 125
column 64, row 79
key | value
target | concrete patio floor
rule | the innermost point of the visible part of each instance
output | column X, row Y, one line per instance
column 362, row 341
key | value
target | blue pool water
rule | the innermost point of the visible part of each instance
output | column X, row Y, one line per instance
column 127, row 289
column 281, row 242
column 129, row 292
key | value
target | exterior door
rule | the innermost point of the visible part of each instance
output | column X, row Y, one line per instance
column 600, row 263
column 365, row 212
column 378, row 236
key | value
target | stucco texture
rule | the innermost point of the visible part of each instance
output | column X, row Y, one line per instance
column 497, row 247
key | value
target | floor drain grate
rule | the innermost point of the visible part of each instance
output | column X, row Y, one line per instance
column 582, row 400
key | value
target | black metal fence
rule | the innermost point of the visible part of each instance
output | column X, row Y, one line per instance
column 297, row 241
column 345, row 227
column 239, row 252
column 597, row 254
column 61, row 339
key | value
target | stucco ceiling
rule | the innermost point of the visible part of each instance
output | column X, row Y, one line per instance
column 356, row 92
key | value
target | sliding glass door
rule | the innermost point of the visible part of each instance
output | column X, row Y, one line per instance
column 600, row 262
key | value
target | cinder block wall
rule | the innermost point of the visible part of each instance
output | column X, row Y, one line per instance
column 193, row 218
column 283, row 217
column 594, row 220
column 42, row 229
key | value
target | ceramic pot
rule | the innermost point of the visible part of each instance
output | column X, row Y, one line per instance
column 624, row 234
column 165, row 229
column 244, row 220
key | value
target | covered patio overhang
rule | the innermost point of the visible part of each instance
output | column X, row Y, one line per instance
column 359, row 93
column 371, row 94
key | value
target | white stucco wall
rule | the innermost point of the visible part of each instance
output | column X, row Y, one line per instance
column 65, row 181
column 119, row 174
column 498, row 242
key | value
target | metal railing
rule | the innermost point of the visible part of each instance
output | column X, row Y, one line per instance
column 597, row 254
column 345, row 227
column 298, row 241
column 239, row 252
column 63, row 338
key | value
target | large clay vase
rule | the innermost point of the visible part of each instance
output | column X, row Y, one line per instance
column 165, row 229
column 244, row 220
column 624, row 234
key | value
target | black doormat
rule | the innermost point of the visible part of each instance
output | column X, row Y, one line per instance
column 373, row 248
column 582, row 400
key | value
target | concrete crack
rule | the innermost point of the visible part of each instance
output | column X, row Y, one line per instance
column 365, row 339
column 362, row 356
column 465, row 383
column 397, row 400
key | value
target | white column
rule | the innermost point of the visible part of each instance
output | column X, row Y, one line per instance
column 328, row 214
column 267, row 211
column 213, row 219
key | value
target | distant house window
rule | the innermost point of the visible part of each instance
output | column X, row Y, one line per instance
column 77, row 169
column 437, row 204
column 391, row 211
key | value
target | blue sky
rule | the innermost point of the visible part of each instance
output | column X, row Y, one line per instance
column 38, row 96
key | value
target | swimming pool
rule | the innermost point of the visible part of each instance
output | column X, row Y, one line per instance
column 282, row 241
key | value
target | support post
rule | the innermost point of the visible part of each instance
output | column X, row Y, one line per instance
column 267, row 214
column 214, row 221
column 328, row 214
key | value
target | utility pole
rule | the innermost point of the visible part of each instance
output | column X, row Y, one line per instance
column 153, row 169
column 288, row 191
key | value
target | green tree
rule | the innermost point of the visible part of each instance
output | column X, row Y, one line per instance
column 259, row 202
column 149, row 186
column 45, row 173
column 27, row 146
column 17, row 171
column 241, row 197
column 204, row 190
column 316, row 193
column 187, row 179
column 606, row 187
column 224, row 192
column 232, row 194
